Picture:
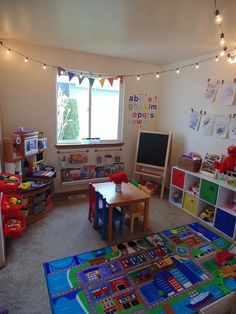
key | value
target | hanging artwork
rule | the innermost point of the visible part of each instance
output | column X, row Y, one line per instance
column 207, row 124
column 194, row 120
column 221, row 126
column 207, row 166
column 227, row 94
column 232, row 128
column 211, row 90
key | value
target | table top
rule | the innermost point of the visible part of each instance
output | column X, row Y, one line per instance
column 129, row 193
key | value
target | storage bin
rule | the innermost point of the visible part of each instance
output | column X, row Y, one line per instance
column 39, row 198
column 178, row 178
column 208, row 191
column 7, row 185
column 190, row 203
column 189, row 164
column 39, row 208
column 10, row 229
column 225, row 222
column 9, row 209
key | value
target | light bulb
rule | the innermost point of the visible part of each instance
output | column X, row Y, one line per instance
column 61, row 72
column 229, row 58
column 44, row 66
column 216, row 59
column 218, row 18
column 100, row 77
column 197, row 66
column 222, row 53
column 81, row 75
column 8, row 50
column 26, row 59
column 157, row 75
column 138, row 78
column 177, row 70
column 222, row 39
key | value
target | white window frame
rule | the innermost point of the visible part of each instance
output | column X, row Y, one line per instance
column 120, row 121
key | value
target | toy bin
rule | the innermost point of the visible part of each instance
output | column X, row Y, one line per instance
column 13, row 227
column 9, row 182
column 11, row 205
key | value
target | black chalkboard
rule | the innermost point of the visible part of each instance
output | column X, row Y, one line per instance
column 152, row 148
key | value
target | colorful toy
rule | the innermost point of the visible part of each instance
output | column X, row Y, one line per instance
column 208, row 214
column 177, row 197
column 229, row 163
column 195, row 188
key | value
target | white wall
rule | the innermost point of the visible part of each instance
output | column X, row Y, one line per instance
column 28, row 93
column 180, row 93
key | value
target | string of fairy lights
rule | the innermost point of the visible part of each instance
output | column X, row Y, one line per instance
column 101, row 77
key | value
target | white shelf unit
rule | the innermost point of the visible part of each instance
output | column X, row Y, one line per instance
column 213, row 193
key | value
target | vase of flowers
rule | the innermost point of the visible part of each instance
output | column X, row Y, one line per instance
column 118, row 178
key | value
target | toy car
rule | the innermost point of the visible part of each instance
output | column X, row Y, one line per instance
column 207, row 214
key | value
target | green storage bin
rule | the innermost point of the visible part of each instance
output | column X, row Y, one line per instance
column 208, row 191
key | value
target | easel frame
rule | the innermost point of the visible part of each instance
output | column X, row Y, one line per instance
column 153, row 171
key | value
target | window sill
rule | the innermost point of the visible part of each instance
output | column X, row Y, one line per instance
column 77, row 146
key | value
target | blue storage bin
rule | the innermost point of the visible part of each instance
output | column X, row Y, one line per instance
column 39, row 198
column 225, row 222
column 39, row 208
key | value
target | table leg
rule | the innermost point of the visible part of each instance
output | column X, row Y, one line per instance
column 110, row 223
column 146, row 214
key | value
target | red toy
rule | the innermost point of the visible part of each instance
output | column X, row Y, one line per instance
column 229, row 163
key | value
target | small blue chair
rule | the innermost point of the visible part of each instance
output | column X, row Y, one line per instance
column 101, row 212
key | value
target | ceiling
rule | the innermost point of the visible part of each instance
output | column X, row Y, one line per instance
column 153, row 31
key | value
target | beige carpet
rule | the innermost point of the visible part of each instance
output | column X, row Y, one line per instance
column 65, row 232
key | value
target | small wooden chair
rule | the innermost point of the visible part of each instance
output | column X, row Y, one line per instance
column 101, row 212
column 136, row 210
column 92, row 197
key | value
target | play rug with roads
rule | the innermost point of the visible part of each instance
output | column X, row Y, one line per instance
column 173, row 271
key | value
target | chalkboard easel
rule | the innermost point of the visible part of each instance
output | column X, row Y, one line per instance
column 152, row 154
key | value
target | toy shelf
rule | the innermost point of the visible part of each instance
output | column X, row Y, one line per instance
column 212, row 196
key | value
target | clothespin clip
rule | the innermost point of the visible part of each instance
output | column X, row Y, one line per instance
column 204, row 113
column 234, row 80
column 222, row 82
column 208, row 80
column 201, row 112
column 234, row 116
column 192, row 109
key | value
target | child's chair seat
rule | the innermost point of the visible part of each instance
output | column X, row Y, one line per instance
column 101, row 213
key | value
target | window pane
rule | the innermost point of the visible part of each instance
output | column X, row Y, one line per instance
column 72, row 109
column 105, row 110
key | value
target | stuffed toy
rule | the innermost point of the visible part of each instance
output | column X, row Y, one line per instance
column 229, row 163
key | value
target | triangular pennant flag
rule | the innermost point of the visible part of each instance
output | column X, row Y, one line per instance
column 60, row 71
column 80, row 79
column 91, row 81
column 102, row 81
column 111, row 79
column 71, row 75
column 121, row 79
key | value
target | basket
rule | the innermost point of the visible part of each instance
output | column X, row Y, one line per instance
column 189, row 164
column 9, row 209
column 7, row 185
column 12, row 231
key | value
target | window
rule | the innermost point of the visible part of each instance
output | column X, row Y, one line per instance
column 88, row 112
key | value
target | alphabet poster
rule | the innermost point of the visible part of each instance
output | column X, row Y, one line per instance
column 142, row 110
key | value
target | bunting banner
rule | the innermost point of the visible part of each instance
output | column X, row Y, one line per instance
column 111, row 79
column 80, row 79
column 102, row 81
column 91, row 81
column 71, row 75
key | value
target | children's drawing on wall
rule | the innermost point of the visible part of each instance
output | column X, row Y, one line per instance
column 207, row 166
column 221, row 126
column 194, row 120
column 207, row 124
column 227, row 94
column 211, row 90
column 142, row 110
column 232, row 128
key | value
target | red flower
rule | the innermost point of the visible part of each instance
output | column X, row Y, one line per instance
column 119, row 177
